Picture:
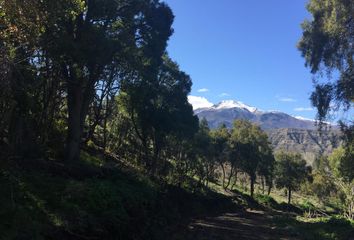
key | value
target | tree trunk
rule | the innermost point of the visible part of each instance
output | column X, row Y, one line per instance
column 269, row 189
column 105, row 126
column 223, row 175
column 235, row 181
column 252, row 185
column 229, row 178
column 75, row 100
column 289, row 195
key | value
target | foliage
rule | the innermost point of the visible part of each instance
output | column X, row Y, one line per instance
column 158, row 108
column 328, row 228
column 222, row 154
column 291, row 171
column 332, row 183
column 327, row 44
column 60, row 52
column 251, row 147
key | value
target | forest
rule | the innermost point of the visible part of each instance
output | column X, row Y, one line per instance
column 98, row 139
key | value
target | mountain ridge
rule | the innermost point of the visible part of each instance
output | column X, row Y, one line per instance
column 226, row 111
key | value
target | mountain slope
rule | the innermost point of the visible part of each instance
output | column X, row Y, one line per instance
column 309, row 143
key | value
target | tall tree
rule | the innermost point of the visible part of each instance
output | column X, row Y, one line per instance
column 327, row 44
column 266, row 165
column 89, row 38
column 291, row 171
column 21, row 26
column 206, row 165
column 79, row 44
column 221, row 152
column 252, row 148
column 158, row 108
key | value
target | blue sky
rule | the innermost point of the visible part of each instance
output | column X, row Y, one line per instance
column 244, row 50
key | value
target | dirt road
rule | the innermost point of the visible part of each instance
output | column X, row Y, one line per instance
column 248, row 224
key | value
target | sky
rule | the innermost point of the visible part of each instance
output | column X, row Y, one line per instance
column 243, row 50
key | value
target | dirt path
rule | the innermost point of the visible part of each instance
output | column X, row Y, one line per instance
column 249, row 224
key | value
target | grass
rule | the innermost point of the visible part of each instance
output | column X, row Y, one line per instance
column 329, row 228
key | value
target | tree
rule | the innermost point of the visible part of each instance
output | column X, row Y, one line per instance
column 21, row 26
column 266, row 165
column 94, row 39
column 327, row 44
column 77, row 45
column 158, row 108
column 346, row 163
column 322, row 185
column 291, row 171
column 340, row 173
column 206, row 164
column 252, row 148
column 221, row 153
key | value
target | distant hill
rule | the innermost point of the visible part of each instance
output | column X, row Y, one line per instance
column 285, row 132
column 309, row 143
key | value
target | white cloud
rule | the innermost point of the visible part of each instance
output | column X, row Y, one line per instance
column 199, row 102
column 224, row 95
column 303, row 109
column 287, row 99
column 203, row 90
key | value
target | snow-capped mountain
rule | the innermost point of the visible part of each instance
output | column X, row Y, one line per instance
column 228, row 104
column 227, row 111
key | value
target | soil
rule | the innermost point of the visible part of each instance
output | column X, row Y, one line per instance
column 246, row 224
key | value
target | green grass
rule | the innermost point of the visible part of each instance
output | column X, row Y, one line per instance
column 330, row 228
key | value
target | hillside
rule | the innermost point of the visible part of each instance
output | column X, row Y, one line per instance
column 97, row 199
column 310, row 143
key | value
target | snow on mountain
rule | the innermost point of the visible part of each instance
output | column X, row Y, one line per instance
column 227, row 111
column 227, row 104
column 315, row 121
column 304, row 119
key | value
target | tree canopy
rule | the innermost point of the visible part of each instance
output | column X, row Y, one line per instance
column 291, row 171
column 327, row 46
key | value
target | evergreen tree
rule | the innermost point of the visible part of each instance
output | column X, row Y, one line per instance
column 291, row 171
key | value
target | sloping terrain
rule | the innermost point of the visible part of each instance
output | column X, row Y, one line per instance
column 309, row 143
